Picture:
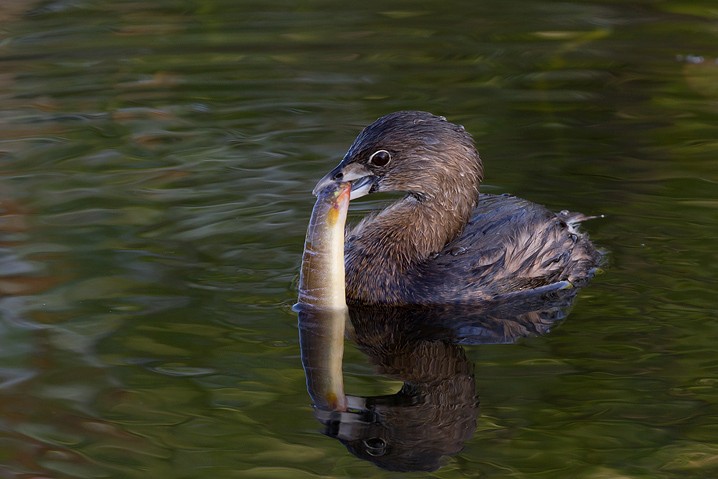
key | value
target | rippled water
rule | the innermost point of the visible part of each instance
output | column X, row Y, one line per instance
column 156, row 163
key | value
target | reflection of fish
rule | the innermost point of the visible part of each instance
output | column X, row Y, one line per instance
column 322, row 304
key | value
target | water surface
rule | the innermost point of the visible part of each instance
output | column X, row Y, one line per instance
column 156, row 163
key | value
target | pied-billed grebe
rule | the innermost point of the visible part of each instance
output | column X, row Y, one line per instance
column 443, row 242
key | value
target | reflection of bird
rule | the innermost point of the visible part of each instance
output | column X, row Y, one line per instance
column 443, row 243
column 434, row 412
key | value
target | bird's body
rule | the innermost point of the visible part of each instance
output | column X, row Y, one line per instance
column 443, row 242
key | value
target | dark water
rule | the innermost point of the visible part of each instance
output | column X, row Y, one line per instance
column 156, row 163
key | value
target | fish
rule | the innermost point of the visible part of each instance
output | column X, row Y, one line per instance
column 322, row 281
column 321, row 306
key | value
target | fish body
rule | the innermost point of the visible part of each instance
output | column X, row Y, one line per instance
column 321, row 281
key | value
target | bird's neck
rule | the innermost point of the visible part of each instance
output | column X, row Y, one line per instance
column 415, row 229
column 382, row 249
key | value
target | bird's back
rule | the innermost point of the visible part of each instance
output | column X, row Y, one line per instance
column 509, row 245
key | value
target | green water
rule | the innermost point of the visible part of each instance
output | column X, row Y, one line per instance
column 156, row 163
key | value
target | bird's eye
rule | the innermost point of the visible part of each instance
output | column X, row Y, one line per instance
column 375, row 446
column 380, row 158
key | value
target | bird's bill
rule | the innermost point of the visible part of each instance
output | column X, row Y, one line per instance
column 360, row 177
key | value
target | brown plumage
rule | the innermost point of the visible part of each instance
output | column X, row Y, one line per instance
column 443, row 243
